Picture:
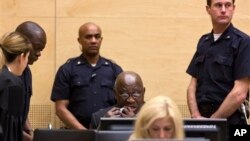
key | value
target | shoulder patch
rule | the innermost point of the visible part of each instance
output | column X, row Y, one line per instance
column 71, row 59
column 205, row 35
column 239, row 33
column 110, row 60
column 68, row 61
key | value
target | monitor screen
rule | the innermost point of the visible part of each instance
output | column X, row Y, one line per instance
column 121, row 124
column 213, row 129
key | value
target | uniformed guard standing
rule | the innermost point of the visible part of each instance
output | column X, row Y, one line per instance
column 84, row 84
column 220, row 68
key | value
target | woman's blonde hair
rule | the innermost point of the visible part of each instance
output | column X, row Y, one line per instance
column 158, row 107
column 13, row 44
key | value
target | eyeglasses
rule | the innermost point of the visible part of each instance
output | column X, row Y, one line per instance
column 134, row 95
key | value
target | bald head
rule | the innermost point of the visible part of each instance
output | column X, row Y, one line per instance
column 90, row 39
column 37, row 37
column 128, row 78
column 85, row 27
column 32, row 30
column 129, row 90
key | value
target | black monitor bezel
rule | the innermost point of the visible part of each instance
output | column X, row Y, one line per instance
column 122, row 124
column 211, row 128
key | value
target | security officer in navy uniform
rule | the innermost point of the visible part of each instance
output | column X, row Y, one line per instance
column 220, row 68
column 84, row 84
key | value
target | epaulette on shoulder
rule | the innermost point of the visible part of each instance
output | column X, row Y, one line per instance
column 239, row 33
column 110, row 60
column 70, row 59
column 205, row 35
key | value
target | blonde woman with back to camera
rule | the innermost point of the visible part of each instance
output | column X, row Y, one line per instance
column 14, row 50
column 158, row 118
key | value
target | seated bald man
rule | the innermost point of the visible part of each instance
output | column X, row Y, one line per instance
column 129, row 93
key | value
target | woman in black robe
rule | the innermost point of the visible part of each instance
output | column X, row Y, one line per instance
column 14, row 49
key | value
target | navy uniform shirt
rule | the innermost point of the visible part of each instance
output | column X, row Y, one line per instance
column 217, row 64
column 87, row 88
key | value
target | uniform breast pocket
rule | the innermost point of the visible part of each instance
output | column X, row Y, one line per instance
column 79, row 90
column 107, row 92
column 107, row 84
column 223, row 68
column 199, row 63
column 80, row 82
column 199, row 60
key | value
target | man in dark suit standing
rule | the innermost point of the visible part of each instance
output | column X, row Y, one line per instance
column 37, row 36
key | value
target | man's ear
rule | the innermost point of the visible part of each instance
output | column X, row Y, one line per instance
column 101, row 39
column 78, row 39
column 144, row 90
column 207, row 9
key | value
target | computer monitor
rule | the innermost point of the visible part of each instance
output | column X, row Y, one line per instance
column 63, row 135
column 121, row 124
column 186, row 139
column 111, row 135
column 213, row 129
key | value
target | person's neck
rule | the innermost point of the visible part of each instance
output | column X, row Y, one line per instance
column 14, row 69
column 219, row 28
column 92, row 59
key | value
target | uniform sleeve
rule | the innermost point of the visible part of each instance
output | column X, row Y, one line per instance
column 61, row 86
column 242, row 59
column 118, row 70
column 191, row 70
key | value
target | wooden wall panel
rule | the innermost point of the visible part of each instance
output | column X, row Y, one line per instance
column 155, row 38
column 129, row 8
column 14, row 12
column 36, row 8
